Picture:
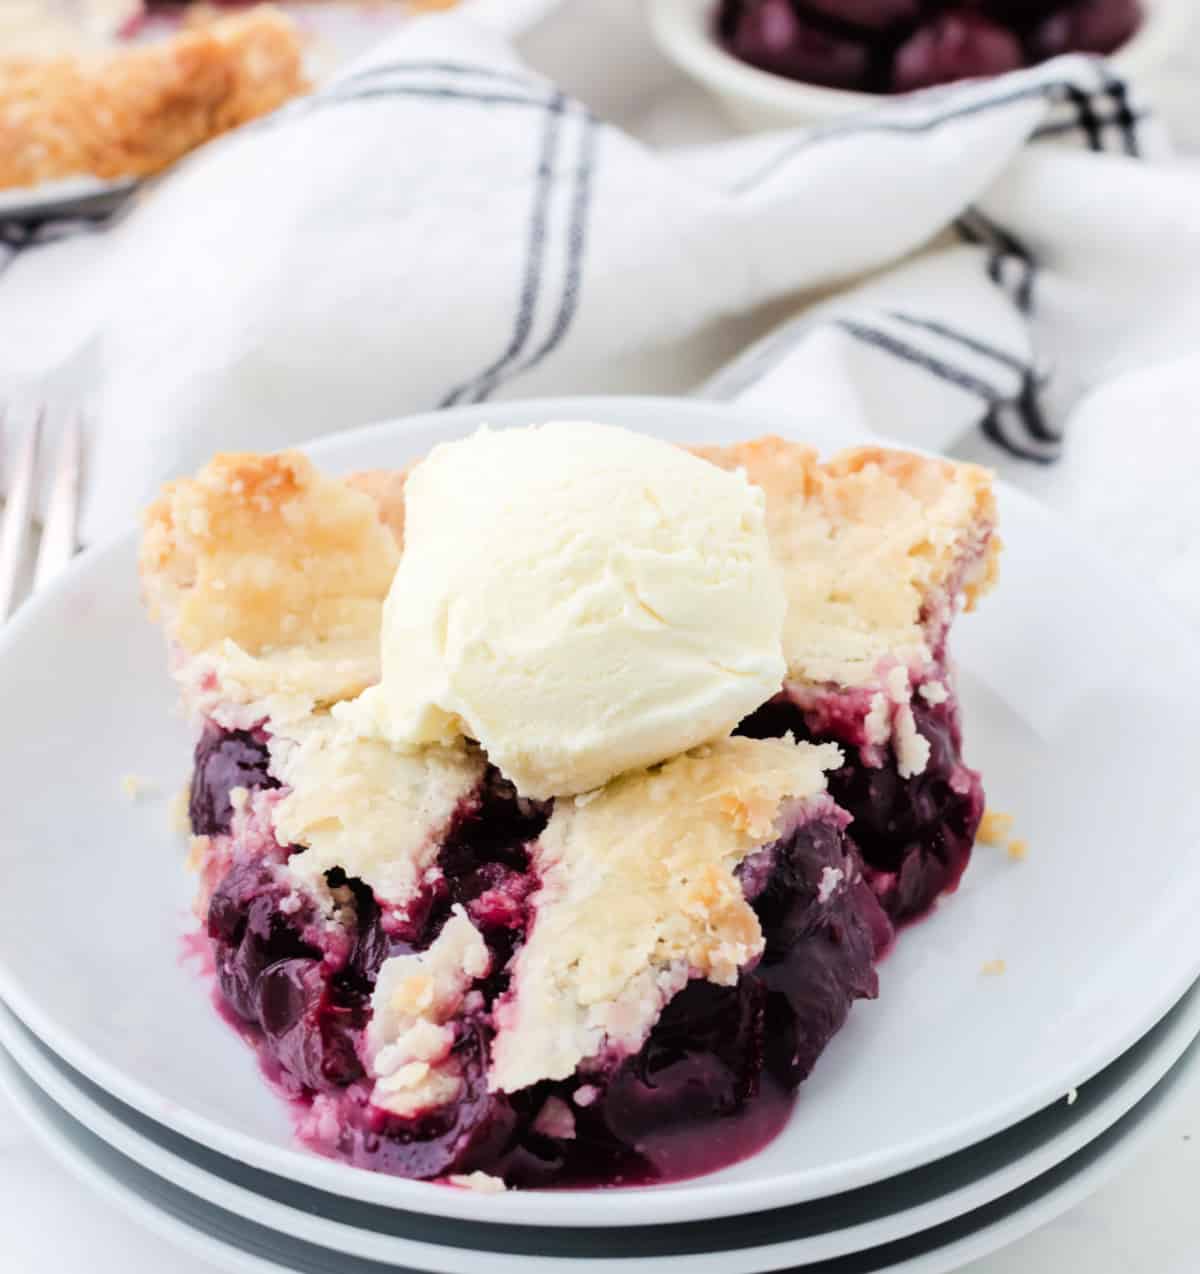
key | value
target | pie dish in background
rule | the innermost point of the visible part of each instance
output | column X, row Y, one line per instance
column 131, row 112
column 456, row 981
column 169, row 77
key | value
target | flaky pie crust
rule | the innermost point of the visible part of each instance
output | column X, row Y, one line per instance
column 133, row 112
column 263, row 551
column 639, row 894
column 874, row 545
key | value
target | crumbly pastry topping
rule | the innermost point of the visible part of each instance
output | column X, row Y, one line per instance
column 639, row 894
column 868, row 543
column 133, row 112
column 358, row 804
column 409, row 1037
column 135, row 786
column 292, row 568
column 556, row 1119
column 934, row 692
column 177, row 812
column 263, row 551
column 831, row 879
column 273, row 574
column 238, row 689
column 995, row 827
column 480, row 1182
column 386, row 490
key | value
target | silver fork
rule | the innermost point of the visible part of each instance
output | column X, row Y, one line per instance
column 59, row 530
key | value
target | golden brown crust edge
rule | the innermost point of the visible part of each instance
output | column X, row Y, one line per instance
column 264, row 551
column 921, row 475
column 787, row 470
column 134, row 112
column 386, row 488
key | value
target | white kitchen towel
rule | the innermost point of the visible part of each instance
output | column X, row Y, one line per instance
column 442, row 225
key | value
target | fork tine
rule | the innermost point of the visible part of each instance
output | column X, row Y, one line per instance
column 59, row 529
column 14, row 531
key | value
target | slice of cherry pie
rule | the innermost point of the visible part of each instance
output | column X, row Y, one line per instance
column 623, row 986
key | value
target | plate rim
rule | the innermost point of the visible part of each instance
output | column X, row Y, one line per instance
column 682, row 1201
column 1023, row 1166
column 1047, row 1200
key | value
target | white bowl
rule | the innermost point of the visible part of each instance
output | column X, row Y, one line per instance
column 757, row 99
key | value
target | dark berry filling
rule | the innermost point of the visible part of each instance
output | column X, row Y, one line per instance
column 711, row 1084
column 955, row 46
column 468, row 1133
column 305, row 1004
column 774, row 37
column 915, row 833
column 1089, row 26
column 713, row 1081
column 225, row 759
column 881, row 46
column 818, row 960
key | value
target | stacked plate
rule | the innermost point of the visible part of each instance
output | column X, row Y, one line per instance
column 963, row 1108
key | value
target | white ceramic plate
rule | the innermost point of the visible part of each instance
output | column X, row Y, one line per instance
column 242, row 1247
column 1081, row 709
column 70, row 197
column 800, row 1235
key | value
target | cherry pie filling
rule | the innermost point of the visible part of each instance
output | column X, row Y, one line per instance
column 914, row 833
column 711, row 1084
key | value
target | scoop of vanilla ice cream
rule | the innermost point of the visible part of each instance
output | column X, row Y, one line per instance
column 578, row 598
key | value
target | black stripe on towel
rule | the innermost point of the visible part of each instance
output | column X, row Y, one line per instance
column 1124, row 116
column 1033, row 380
column 576, row 241
column 458, row 69
column 1132, row 145
column 967, row 341
column 1004, row 247
column 1088, row 120
column 938, row 367
column 1054, row 90
column 531, row 284
column 1006, row 417
column 431, row 92
column 994, row 429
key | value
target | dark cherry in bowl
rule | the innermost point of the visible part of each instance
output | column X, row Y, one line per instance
column 882, row 46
